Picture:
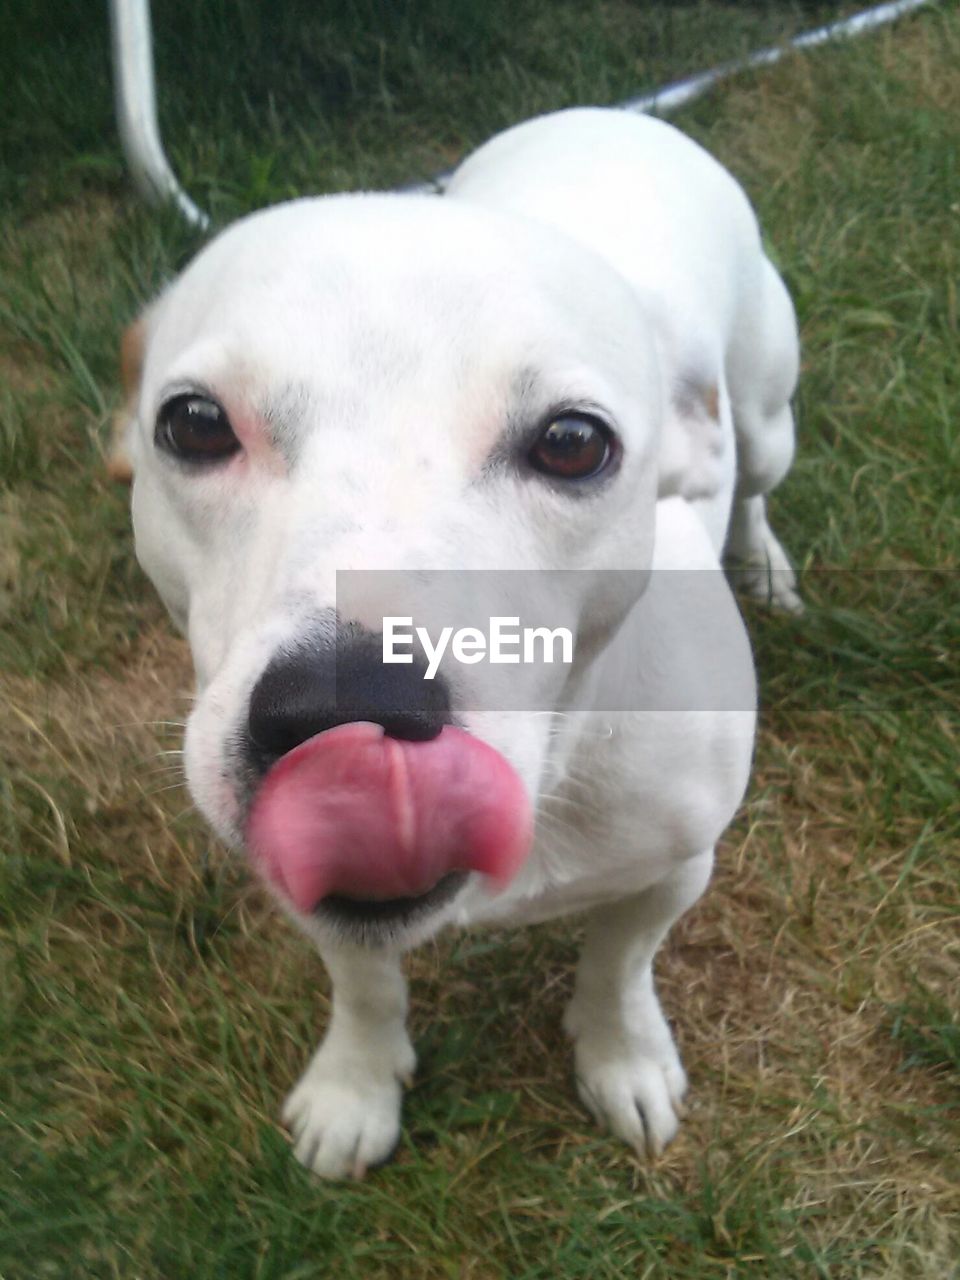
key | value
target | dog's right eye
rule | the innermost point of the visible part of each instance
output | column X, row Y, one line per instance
column 196, row 429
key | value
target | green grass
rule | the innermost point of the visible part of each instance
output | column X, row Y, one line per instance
column 153, row 1007
column 261, row 102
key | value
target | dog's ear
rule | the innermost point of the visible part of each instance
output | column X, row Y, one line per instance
column 692, row 445
column 132, row 346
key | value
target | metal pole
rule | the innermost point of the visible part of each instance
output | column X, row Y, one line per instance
column 671, row 96
column 136, row 108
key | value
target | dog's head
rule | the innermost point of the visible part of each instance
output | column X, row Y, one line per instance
column 382, row 383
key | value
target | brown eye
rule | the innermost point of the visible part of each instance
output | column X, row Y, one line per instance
column 196, row 429
column 572, row 448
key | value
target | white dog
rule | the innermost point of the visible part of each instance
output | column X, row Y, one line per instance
column 577, row 359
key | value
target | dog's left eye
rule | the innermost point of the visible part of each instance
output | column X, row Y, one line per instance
column 572, row 448
column 196, row 429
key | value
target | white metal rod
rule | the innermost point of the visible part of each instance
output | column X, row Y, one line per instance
column 677, row 94
column 136, row 108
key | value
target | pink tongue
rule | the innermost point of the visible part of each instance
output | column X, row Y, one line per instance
column 356, row 813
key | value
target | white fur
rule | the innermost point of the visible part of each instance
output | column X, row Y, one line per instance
column 588, row 257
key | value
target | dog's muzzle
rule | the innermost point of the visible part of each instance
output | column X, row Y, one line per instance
column 372, row 806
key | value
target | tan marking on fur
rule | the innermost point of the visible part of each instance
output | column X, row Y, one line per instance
column 132, row 343
column 711, row 401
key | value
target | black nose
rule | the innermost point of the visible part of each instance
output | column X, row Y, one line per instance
column 317, row 687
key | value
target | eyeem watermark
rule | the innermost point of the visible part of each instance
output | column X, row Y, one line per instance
column 505, row 642
column 571, row 640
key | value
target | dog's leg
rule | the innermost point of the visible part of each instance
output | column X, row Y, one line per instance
column 345, row 1112
column 627, row 1067
column 756, row 562
column 762, row 378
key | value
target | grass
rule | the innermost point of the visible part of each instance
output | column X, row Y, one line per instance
column 154, row 1009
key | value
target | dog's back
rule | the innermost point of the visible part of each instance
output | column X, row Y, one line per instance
column 680, row 230
column 638, row 192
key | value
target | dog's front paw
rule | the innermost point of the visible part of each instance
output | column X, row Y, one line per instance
column 344, row 1114
column 633, row 1089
